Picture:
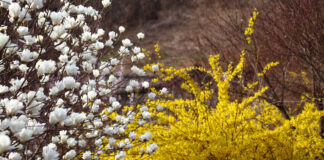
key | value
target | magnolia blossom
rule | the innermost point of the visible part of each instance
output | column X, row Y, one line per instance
column 25, row 135
column 164, row 90
column 120, row 155
column 69, row 155
column 121, row 29
column 145, row 84
column 72, row 70
column 112, row 35
column 3, row 89
column 14, row 10
column 140, row 55
column 151, row 95
column 132, row 135
column 106, row 3
column 50, row 154
column 22, row 30
column 5, row 143
column 140, row 35
column 159, row 108
column 45, row 67
column 13, row 106
column 86, row 155
column 58, row 115
column 151, row 148
column 155, row 68
column 127, row 43
column 146, row 136
column 96, row 73
column 146, row 115
column 69, row 82
column 27, row 56
column 3, row 40
column 56, row 17
column 14, row 156
column 138, row 71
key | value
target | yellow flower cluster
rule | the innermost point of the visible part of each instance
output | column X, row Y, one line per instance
column 249, row 30
column 190, row 128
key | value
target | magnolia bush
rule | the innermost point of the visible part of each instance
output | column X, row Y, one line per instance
column 58, row 98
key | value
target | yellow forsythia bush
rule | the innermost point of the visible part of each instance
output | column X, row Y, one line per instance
column 189, row 128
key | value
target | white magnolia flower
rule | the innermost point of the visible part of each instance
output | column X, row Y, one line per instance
column 120, row 155
column 50, row 154
column 106, row 3
column 145, row 84
column 155, row 68
column 96, row 73
column 30, row 40
column 25, row 135
column 140, row 55
column 5, row 143
column 151, row 148
column 86, row 36
column 116, row 105
column 14, row 156
column 164, row 90
column 45, row 67
column 114, row 61
column 35, row 4
column 159, row 108
column 151, row 95
column 23, row 68
column 4, row 38
column 132, row 135
column 112, row 35
column 56, row 17
column 134, row 84
column 146, row 115
column 69, row 155
column 97, row 123
column 92, row 95
column 72, row 70
column 17, row 124
column 70, row 22
column 69, row 82
column 57, row 32
column 129, row 89
column 3, row 89
column 55, row 139
column 14, row 10
column 13, row 106
column 136, row 49
column 17, row 83
column 82, row 143
column 22, row 30
column 100, row 32
column 71, row 142
column 138, row 71
column 127, row 43
column 121, row 29
column 58, row 115
column 86, row 155
column 77, row 117
column 109, row 43
column 146, row 136
column 140, row 35
column 123, row 51
column 27, row 56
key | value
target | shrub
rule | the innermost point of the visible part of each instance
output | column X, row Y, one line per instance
column 250, row 128
column 58, row 97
